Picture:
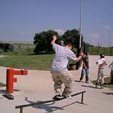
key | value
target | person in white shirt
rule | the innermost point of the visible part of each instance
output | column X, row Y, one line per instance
column 101, row 67
column 59, row 71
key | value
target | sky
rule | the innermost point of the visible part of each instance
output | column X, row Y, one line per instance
column 21, row 19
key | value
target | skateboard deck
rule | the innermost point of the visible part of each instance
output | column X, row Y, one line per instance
column 62, row 97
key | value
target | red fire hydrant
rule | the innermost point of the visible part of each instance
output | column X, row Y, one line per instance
column 10, row 78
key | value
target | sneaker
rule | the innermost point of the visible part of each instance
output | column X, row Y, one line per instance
column 58, row 92
column 57, row 97
column 67, row 96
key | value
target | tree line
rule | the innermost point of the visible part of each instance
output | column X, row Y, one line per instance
column 43, row 39
column 6, row 47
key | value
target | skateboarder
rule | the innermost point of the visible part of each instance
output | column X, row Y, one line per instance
column 59, row 71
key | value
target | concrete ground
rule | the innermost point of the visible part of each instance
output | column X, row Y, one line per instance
column 38, row 86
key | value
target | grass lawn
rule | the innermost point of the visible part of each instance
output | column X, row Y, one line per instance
column 38, row 62
column 24, row 59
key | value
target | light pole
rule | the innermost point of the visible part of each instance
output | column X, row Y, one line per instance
column 108, row 31
column 79, row 49
column 110, row 42
column 80, row 23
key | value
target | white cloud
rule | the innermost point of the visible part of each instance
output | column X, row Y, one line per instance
column 59, row 31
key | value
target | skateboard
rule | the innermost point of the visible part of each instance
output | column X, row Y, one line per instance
column 60, row 97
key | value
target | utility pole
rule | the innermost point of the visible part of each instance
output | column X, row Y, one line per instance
column 79, row 48
column 110, row 42
column 80, row 24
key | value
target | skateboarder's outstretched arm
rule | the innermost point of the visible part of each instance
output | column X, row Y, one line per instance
column 54, row 39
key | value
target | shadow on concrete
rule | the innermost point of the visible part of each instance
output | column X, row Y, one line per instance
column 90, row 86
column 79, row 81
column 108, row 93
column 2, row 91
column 49, row 107
column 17, row 90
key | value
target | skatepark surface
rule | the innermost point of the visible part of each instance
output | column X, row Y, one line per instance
column 38, row 86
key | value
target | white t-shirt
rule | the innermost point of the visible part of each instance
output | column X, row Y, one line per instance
column 101, row 62
column 61, row 58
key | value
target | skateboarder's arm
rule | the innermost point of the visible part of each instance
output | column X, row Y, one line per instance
column 80, row 57
column 54, row 39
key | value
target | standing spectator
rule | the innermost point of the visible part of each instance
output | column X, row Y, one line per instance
column 111, row 73
column 101, row 68
column 59, row 71
column 85, row 67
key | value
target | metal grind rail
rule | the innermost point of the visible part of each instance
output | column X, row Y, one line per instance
column 48, row 101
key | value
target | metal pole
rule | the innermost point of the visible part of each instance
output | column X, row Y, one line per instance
column 82, row 98
column 110, row 43
column 80, row 22
column 21, row 109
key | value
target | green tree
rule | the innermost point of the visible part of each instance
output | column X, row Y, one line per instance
column 72, row 35
column 42, row 41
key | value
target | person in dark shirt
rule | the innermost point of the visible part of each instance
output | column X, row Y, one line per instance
column 85, row 67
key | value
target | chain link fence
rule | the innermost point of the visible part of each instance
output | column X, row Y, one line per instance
column 93, row 50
